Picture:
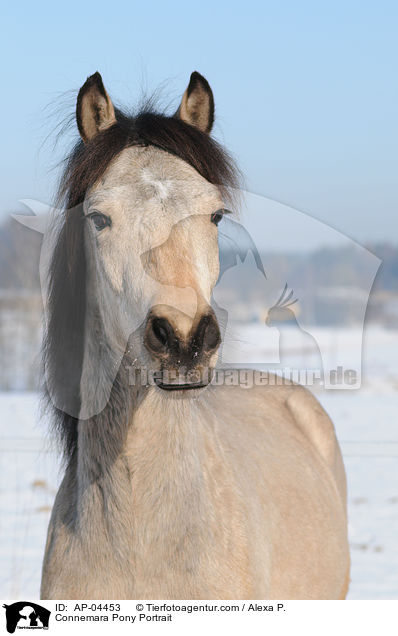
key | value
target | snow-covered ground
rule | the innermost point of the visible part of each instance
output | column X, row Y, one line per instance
column 366, row 421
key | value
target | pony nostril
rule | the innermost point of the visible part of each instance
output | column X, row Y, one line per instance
column 212, row 336
column 159, row 335
column 207, row 337
column 160, row 331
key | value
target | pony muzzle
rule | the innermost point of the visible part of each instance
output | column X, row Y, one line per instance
column 183, row 350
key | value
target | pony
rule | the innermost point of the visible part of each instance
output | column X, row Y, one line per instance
column 173, row 487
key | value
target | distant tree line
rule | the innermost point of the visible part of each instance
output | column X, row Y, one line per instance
column 326, row 267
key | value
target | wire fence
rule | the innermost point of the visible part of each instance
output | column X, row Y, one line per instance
column 350, row 448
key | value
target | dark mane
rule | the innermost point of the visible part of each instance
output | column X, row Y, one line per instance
column 88, row 162
column 64, row 341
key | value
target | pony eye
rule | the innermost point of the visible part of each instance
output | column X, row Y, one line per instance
column 217, row 216
column 100, row 220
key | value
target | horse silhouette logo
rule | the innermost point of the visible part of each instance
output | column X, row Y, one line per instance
column 26, row 615
column 291, row 337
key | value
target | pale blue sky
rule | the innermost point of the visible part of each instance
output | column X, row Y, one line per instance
column 306, row 92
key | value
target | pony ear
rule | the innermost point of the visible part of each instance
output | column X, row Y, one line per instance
column 94, row 109
column 197, row 104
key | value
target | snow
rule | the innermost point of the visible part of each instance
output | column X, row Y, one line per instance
column 366, row 423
